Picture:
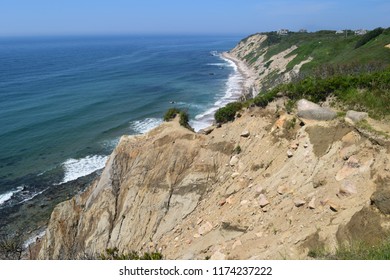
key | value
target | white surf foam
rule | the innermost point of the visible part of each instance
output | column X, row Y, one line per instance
column 184, row 105
column 34, row 238
column 76, row 168
column 217, row 64
column 8, row 195
column 143, row 126
column 233, row 91
column 32, row 196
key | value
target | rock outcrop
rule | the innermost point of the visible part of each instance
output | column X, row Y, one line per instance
column 312, row 111
column 191, row 196
column 355, row 117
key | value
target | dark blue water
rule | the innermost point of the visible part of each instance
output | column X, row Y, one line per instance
column 64, row 102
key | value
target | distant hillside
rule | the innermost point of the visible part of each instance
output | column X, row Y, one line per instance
column 280, row 58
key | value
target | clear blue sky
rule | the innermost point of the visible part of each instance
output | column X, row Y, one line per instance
column 66, row 17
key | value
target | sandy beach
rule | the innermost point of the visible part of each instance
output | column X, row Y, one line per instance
column 249, row 87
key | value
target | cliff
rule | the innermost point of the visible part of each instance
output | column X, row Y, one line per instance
column 270, row 185
column 290, row 189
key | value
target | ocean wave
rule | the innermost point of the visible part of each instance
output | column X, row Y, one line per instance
column 145, row 125
column 76, row 168
column 185, row 105
column 31, row 196
column 8, row 195
column 233, row 91
column 217, row 64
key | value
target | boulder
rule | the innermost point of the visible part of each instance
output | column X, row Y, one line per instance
column 351, row 138
column 381, row 199
column 245, row 133
column 234, row 160
column 312, row 203
column 347, row 189
column 207, row 130
column 299, row 202
column 218, row 256
column 312, row 111
column 350, row 168
column 205, row 228
column 354, row 116
column 263, row 201
column 334, row 206
column 282, row 189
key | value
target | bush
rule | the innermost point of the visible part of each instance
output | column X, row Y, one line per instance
column 171, row 114
column 237, row 150
column 113, row 254
column 183, row 115
column 227, row 113
column 263, row 99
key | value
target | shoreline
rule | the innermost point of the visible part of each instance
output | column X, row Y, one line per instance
column 248, row 86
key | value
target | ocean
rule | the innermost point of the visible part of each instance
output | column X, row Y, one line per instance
column 66, row 101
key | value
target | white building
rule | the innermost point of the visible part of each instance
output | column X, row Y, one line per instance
column 283, row 32
column 360, row 32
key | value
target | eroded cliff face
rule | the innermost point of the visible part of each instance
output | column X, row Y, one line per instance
column 269, row 70
column 294, row 186
column 150, row 184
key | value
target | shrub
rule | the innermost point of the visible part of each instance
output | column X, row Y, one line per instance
column 237, row 150
column 171, row 114
column 113, row 254
column 263, row 99
column 227, row 113
column 183, row 115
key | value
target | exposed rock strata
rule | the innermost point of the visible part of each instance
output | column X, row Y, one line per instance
column 174, row 190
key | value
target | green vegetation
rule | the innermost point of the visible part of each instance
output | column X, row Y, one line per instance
column 262, row 100
column 327, row 48
column 237, row 150
column 183, row 115
column 227, row 113
column 355, row 251
column 354, row 69
column 369, row 36
column 367, row 91
column 114, row 254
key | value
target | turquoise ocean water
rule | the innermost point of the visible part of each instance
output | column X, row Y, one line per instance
column 65, row 102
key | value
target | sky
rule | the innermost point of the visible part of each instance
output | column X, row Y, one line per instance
column 83, row 17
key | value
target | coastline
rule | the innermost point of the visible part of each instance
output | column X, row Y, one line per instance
column 248, row 85
column 239, row 86
column 244, row 78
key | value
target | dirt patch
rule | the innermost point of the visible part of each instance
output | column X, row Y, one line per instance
column 365, row 226
column 387, row 46
column 222, row 147
column 313, row 243
column 323, row 137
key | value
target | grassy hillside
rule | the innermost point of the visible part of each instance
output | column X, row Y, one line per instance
column 354, row 69
column 329, row 48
